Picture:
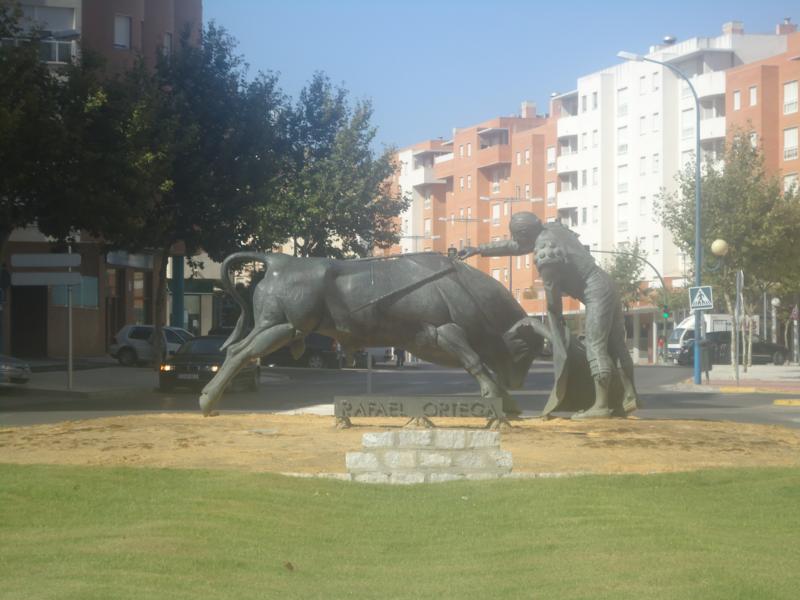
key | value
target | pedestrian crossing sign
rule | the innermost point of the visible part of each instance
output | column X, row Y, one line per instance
column 701, row 298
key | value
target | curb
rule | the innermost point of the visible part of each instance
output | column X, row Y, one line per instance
column 716, row 387
column 789, row 402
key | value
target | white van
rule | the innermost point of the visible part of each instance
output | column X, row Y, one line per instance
column 685, row 331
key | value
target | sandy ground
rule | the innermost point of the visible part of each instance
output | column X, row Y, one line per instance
column 311, row 444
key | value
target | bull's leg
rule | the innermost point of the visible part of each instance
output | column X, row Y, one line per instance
column 260, row 341
column 453, row 339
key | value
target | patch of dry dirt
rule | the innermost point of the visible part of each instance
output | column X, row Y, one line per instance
column 311, row 444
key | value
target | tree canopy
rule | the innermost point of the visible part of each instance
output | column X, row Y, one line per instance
column 745, row 206
column 335, row 198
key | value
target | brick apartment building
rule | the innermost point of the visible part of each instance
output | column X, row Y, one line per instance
column 117, row 287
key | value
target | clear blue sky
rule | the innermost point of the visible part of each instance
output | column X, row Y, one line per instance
column 429, row 66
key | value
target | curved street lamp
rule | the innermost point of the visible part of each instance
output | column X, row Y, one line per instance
column 698, row 250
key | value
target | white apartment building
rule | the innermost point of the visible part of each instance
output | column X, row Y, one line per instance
column 627, row 130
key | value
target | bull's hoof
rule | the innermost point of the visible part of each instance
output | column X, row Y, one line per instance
column 207, row 405
column 592, row 413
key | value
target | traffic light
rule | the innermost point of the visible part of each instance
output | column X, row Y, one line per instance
column 665, row 312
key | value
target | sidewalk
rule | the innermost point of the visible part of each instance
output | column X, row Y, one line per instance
column 784, row 379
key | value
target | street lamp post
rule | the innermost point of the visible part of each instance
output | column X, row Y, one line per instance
column 698, row 249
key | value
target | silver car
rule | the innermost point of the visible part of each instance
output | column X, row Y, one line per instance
column 13, row 371
column 133, row 344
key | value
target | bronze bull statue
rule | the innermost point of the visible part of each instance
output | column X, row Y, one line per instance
column 438, row 308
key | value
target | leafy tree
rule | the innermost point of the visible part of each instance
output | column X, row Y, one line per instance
column 203, row 145
column 744, row 205
column 31, row 132
column 625, row 266
column 335, row 195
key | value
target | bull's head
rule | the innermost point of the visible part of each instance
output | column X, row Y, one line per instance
column 523, row 342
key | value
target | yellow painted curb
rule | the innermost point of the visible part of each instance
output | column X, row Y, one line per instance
column 793, row 402
column 737, row 389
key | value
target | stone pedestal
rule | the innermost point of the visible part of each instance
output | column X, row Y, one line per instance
column 428, row 456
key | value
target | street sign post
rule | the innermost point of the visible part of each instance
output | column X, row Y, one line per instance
column 67, row 278
column 701, row 298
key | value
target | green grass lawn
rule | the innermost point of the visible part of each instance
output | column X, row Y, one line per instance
column 83, row 533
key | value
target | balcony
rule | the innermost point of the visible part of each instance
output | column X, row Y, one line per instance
column 494, row 155
column 567, row 126
column 709, row 84
column 424, row 175
column 53, row 52
column 568, row 199
column 712, row 128
column 443, row 166
column 567, row 162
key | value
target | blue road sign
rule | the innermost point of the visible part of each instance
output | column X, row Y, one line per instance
column 701, row 298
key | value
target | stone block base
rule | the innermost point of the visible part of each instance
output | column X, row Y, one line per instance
column 428, row 456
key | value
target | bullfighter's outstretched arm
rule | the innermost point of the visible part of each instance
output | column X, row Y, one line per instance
column 500, row 248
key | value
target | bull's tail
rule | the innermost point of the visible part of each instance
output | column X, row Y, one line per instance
column 246, row 315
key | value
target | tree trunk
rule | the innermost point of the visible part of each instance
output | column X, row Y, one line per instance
column 4, row 235
column 734, row 351
column 161, row 300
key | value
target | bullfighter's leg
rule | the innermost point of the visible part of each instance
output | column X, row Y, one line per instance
column 598, row 329
column 619, row 350
column 262, row 340
column 453, row 339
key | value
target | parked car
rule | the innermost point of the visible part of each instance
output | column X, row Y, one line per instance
column 379, row 354
column 13, row 371
column 321, row 352
column 763, row 352
column 133, row 344
column 198, row 360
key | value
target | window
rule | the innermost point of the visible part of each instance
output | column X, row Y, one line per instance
column 584, row 141
column 140, row 333
column 622, row 140
column 642, row 125
column 790, row 97
column 166, row 47
column 595, row 173
column 469, row 182
column 527, row 191
column 496, row 274
column 122, row 31
column 505, row 274
column 655, row 81
column 642, row 85
column 427, row 202
column 622, row 216
column 469, row 149
column 656, row 163
column 505, row 209
column 427, row 228
column 594, row 100
column 656, row 122
column 551, row 158
column 469, row 212
column 461, row 183
column 643, row 206
column 584, row 178
column 519, row 261
column 595, row 138
column 527, row 156
column 519, row 159
column 622, row 102
column 687, row 124
column 753, row 95
column 595, row 213
column 622, row 179
column 551, row 192
column 642, row 165
column 753, row 139
column 656, row 244
column 461, row 213
column 583, row 103
column 790, row 183
column 495, row 215
column 461, row 151
column 528, row 261
column 737, row 100
column 687, row 156
column 790, row 143
column 584, row 214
